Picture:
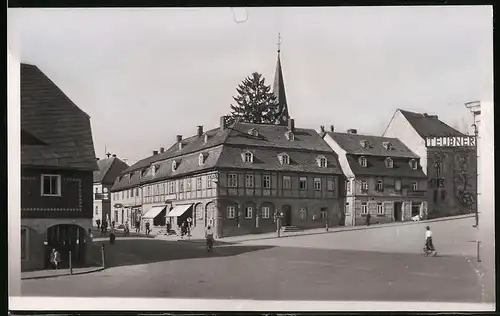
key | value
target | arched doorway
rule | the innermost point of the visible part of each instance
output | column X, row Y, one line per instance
column 199, row 214
column 210, row 214
column 66, row 238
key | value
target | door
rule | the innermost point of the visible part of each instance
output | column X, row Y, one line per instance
column 287, row 215
column 397, row 212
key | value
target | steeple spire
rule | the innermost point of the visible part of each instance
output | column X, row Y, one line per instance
column 279, row 89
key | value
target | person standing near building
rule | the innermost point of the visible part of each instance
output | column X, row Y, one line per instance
column 112, row 236
column 368, row 217
column 55, row 258
column 98, row 222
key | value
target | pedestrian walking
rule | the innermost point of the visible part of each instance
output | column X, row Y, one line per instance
column 368, row 217
column 137, row 226
column 113, row 224
column 112, row 236
column 168, row 228
column 147, row 228
column 55, row 258
column 428, row 239
column 98, row 222
column 127, row 230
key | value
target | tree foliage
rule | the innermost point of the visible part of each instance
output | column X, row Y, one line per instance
column 255, row 103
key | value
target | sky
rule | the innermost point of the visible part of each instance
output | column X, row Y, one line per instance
column 147, row 75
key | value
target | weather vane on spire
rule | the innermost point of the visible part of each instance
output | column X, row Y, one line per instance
column 279, row 42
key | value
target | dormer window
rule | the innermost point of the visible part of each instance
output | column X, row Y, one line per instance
column 284, row 159
column 363, row 162
column 289, row 135
column 247, row 157
column 364, row 143
column 389, row 163
column 322, row 162
column 413, row 164
column 174, row 165
column 143, row 172
column 201, row 159
column 155, row 169
column 253, row 132
column 387, row 145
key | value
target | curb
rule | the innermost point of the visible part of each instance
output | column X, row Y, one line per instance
column 354, row 228
column 64, row 274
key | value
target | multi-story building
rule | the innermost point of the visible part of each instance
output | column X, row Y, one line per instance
column 240, row 178
column 109, row 168
column 448, row 158
column 57, row 163
column 383, row 178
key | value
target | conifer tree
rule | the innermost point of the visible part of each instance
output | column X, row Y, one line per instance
column 255, row 103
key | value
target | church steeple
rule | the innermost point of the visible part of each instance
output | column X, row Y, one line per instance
column 279, row 90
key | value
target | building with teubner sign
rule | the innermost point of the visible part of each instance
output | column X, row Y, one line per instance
column 448, row 157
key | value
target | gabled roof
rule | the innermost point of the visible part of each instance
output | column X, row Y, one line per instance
column 351, row 143
column 51, row 118
column 376, row 166
column 224, row 149
column 429, row 125
column 109, row 169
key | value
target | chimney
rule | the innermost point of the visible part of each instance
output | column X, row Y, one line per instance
column 222, row 123
column 322, row 128
column 114, row 155
column 332, row 128
column 200, row 131
column 291, row 125
column 108, row 154
column 97, row 158
column 155, row 152
column 352, row 131
column 179, row 138
column 162, row 149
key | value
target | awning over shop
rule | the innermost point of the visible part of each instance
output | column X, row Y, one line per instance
column 152, row 213
column 179, row 210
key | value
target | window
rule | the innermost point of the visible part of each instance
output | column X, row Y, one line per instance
column 317, row 184
column 201, row 160
column 364, row 186
column 289, row 135
column 198, row 183
column 188, row 184
column 209, row 182
column 397, row 185
column 364, row 208
column 303, row 213
column 413, row 164
column 97, row 210
column 137, row 192
column 303, row 183
column 284, row 159
column 389, row 163
column 414, row 186
column 232, row 180
column 330, row 184
column 96, row 190
column 51, row 185
column 248, row 212
column 24, row 244
column 324, row 213
column 116, row 216
column 266, row 212
column 267, row 182
column 181, row 185
column 248, row 157
column 386, row 207
column 363, row 162
column 347, row 209
column 348, row 186
column 253, row 132
column 380, row 209
column 231, row 212
column 249, row 180
column 128, row 193
column 287, row 182
column 380, row 185
column 171, row 187
column 322, row 162
column 174, row 165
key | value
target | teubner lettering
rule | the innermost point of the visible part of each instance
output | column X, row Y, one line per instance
column 450, row 141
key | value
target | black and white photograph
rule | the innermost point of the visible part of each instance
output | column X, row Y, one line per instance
column 263, row 158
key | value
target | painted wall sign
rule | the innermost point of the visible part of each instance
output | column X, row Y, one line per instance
column 450, row 141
